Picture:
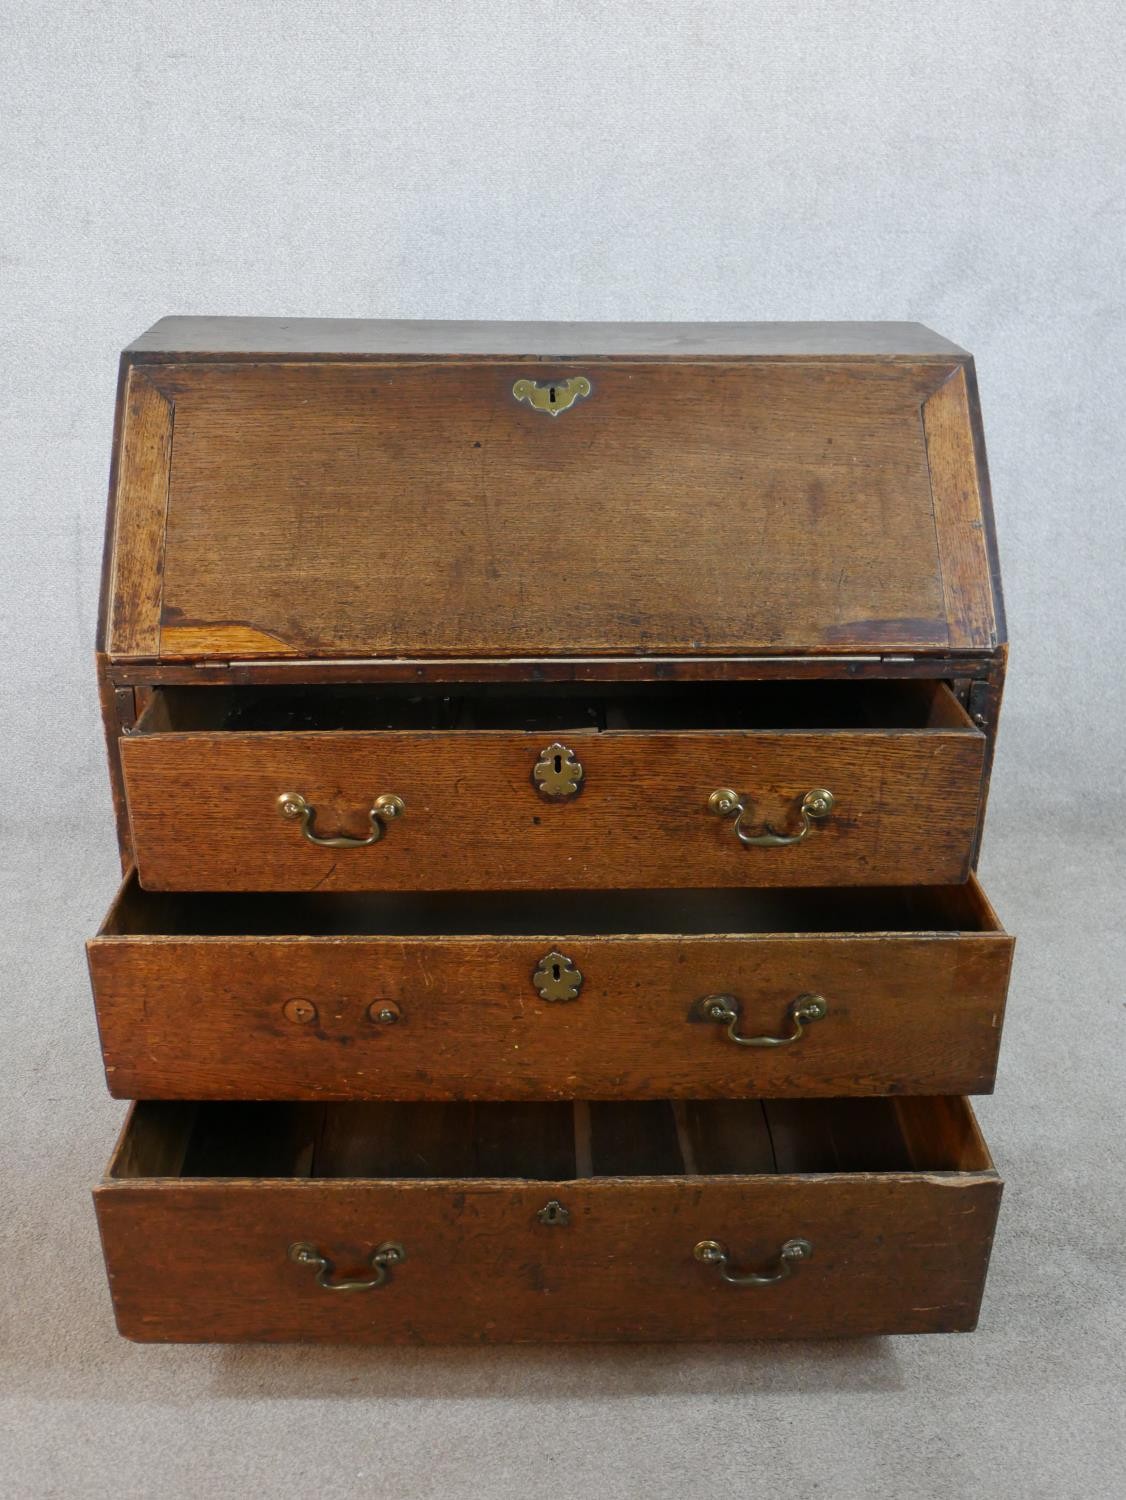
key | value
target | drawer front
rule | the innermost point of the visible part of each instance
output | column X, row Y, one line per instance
column 205, row 1261
column 486, row 1018
column 205, row 810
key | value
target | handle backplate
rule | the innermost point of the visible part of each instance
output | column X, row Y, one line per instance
column 382, row 811
column 815, row 805
column 382, row 1258
column 790, row 1255
column 726, row 1010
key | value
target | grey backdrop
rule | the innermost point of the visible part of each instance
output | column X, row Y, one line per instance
column 956, row 162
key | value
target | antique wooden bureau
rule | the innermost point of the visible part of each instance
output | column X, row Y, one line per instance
column 549, row 763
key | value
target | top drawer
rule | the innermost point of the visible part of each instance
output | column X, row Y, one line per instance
column 562, row 506
column 815, row 783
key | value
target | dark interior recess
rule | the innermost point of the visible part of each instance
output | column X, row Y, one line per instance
column 570, row 913
column 550, row 1142
column 567, row 708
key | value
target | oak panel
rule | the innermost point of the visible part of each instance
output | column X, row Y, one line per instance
column 683, row 508
column 139, row 512
column 200, row 1017
column 206, row 1259
column 204, row 809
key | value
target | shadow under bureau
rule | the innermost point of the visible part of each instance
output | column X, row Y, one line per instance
column 550, row 764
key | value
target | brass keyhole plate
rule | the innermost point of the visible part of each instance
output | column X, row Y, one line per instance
column 554, row 1213
column 554, row 397
column 556, row 977
column 557, row 773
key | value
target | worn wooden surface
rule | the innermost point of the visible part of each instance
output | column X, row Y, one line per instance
column 690, row 507
column 204, row 814
column 333, row 338
column 117, row 706
column 515, row 669
column 963, row 543
column 199, row 1017
column 895, row 1251
column 307, row 501
column 134, row 582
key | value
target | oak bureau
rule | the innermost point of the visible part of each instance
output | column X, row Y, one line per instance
column 550, row 762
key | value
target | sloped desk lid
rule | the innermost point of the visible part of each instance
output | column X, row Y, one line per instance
column 372, row 490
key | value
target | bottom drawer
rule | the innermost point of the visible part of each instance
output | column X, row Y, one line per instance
column 467, row 1223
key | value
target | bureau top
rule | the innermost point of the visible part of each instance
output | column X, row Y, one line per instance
column 360, row 338
column 311, row 490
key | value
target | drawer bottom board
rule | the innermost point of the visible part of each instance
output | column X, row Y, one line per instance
column 547, row 1222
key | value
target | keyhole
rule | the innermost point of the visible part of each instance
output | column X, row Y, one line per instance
column 556, row 972
column 551, row 395
column 558, row 764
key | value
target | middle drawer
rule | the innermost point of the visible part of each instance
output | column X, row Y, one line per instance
column 530, row 995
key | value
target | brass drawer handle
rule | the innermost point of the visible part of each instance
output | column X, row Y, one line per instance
column 383, row 810
column 725, row 1010
column 725, row 803
column 382, row 1258
column 554, row 397
column 715, row 1253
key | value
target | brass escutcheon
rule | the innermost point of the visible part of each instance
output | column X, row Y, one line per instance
column 556, row 978
column 554, row 1213
column 557, row 773
column 556, row 396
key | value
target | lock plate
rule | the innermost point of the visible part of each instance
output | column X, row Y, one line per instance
column 557, row 773
column 556, row 978
column 554, row 397
column 554, row 1213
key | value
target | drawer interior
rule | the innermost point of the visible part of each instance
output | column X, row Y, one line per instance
column 566, row 708
column 955, row 908
column 552, row 1142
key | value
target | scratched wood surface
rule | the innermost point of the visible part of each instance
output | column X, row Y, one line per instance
column 251, row 1014
column 204, row 813
column 901, row 1250
column 397, row 508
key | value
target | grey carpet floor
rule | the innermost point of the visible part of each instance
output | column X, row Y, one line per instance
column 1030, row 1405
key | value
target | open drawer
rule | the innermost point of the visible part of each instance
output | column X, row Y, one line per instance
column 707, row 784
column 522, row 995
column 554, row 1223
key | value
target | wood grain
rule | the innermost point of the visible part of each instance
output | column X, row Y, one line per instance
column 116, row 706
column 894, row 1252
column 139, row 508
column 203, row 1017
column 959, row 518
column 204, row 815
column 629, row 669
column 687, row 508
